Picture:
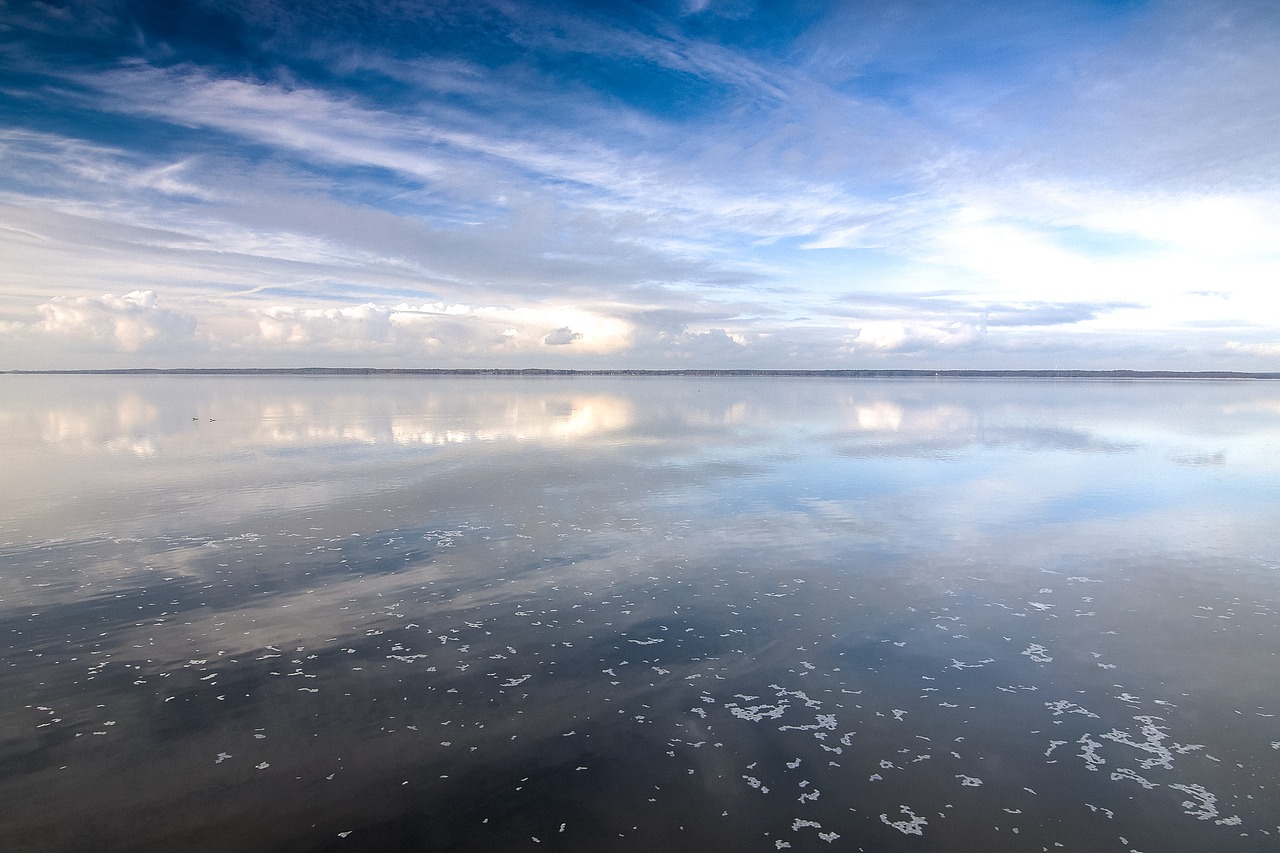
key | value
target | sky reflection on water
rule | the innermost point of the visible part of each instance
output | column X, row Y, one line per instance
column 371, row 614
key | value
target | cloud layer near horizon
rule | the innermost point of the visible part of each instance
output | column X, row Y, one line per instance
column 1080, row 184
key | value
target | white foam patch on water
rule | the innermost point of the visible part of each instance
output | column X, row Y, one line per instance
column 1037, row 653
column 1062, row 706
column 1202, row 806
column 824, row 722
column 1131, row 774
column 781, row 692
column 757, row 713
column 1153, row 742
column 1089, row 752
column 913, row 824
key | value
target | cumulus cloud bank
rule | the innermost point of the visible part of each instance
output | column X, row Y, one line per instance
column 133, row 323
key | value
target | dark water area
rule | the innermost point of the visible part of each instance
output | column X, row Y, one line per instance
column 373, row 614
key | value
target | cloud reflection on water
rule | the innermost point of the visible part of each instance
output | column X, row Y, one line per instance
column 584, row 547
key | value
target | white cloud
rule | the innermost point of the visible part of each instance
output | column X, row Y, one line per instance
column 452, row 332
column 617, row 178
column 713, row 342
column 62, row 163
column 132, row 323
column 359, row 325
column 889, row 336
column 561, row 337
column 1017, row 242
column 1268, row 350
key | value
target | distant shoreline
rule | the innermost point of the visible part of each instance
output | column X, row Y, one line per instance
column 536, row 372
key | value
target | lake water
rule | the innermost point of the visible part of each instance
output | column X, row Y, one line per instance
column 636, row 614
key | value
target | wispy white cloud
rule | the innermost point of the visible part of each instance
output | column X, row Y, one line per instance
column 491, row 166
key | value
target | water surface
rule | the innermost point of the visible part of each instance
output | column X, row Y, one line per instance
column 306, row 614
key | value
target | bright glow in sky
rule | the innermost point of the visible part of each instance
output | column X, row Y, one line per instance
column 492, row 183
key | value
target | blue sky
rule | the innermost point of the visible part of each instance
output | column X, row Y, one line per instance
column 647, row 185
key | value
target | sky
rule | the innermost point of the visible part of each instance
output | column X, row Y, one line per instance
column 664, row 184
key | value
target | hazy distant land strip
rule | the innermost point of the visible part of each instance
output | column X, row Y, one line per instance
column 532, row 371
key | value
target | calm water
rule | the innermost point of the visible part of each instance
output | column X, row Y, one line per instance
column 384, row 614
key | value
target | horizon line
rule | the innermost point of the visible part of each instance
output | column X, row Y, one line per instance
column 850, row 373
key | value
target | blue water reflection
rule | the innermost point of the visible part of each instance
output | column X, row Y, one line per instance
column 750, row 614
